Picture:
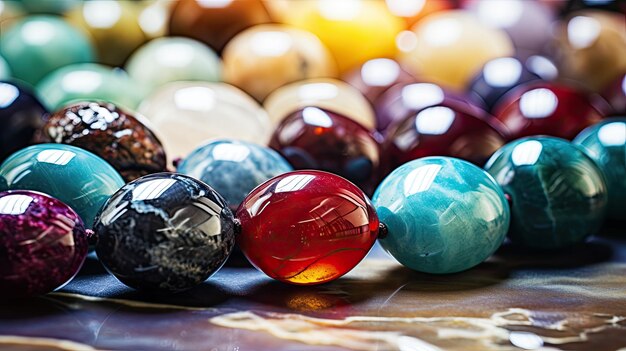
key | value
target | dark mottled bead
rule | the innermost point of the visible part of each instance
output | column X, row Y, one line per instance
column 615, row 94
column 375, row 76
column 21, row 114
column 42, row 243
column 117, row 136
column 164, row 232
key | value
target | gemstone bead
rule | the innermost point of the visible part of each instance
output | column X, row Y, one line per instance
column 314, row 138
column 117, row 136
column 164, row 232
column 233, row 167
column 377, row 75
column 605, row 143
column 45, row 6
column 5, row 71
column 42, row 241
column 615, row 94
column 558, row 195
column 306, row 227
column 75, row 176
column 443, row 215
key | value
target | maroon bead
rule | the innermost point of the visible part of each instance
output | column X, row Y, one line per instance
column 375, row 76
column 545, row 108
column 42, row 243
column 314, row 138
column 306, row 227
column 615, row 94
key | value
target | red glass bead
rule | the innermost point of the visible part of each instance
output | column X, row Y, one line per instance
column 545, row 108
column 615, row 94
column 306, row 227
column 313, row 138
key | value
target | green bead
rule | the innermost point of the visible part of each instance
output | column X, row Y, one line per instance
column 605, row 143
column 37, row 45
column 558, row 194
column 88, row 81
column 49, row 6
column 77, row 177
column 5, row 71
column 443, row 215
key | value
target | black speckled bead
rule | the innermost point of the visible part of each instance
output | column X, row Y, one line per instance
column 164, row 232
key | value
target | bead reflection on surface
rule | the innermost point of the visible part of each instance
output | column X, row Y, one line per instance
column 306, row 227
column 375, row 76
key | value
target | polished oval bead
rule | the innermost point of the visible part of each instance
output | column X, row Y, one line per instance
column 75, row 176
column 43, row 243
column 605, row 143
column 306, row 227
column 443, row 215
column 120, row 138
column 558, row 195
column 233, row 167
column 164, row 232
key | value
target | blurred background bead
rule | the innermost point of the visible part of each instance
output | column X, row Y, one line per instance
column 443, row 215
column 233, row 167
column 263, row 58
column 21, row 115
column 607, row 5
column 5, row 71
column 434, row 46
column 112, row 25
column 43, row 243
column 330, row 94
column 88, row 81
column 375, row 76
column 314, row 138
column 37, row 45
column 413, row 11
column 75, row 176
column 558, row 195
column 10, row 12
column 546, row 108
column 605, row 143
column 215, row 22
column 170, row 59
column 187, row 114
column 48, row 6
column 615, row 94
column 154, row 16
column 121, row 139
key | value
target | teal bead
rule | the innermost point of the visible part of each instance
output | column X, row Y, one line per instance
column 5, row 71
column 77, row 177
column 558, row 195
column 49, row 6
column 88, row 81
column 605, row 143
column 37, row 45
column 443, row 215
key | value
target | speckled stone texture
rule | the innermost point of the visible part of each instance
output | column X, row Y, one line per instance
column 117, row 136
column 42, row 243
column 164, row 232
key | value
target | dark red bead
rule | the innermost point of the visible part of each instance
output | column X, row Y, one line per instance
column 615, row 94
column 375, row 76
column 313, row 138
column 306, row 227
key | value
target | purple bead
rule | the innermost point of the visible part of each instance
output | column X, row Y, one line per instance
column 43, row 243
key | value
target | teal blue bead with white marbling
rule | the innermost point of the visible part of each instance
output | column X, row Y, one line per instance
column 558, row 195
column 605, row 143
column 233, row 168
column 443, row 215
column 77, row 177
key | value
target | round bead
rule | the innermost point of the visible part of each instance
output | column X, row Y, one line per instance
column 88, row 81
column 5, row 71
column 605, row 143
column 443, row 215
column 21, row 115
column 118, row 137
column 43, row 243
column 314, row 138
column 233, row 167
column 548, row 109
column 265, row 57
column 77, row 177
column 37, row 45
column 166, row 60
column 187, row 114
column 330, row 94
column 413, row 11
column 615, row 94
column 164, row 232
column 558, row 195
column 375, row 76
column 46, row 6
column 306, row 227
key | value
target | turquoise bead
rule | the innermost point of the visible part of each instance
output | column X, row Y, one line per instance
column 88, row 81
column 605, row 143
column 37, row 45
column 558, row 195
column 443, row 215
column 233, row 168
column 49, row 6
column 5, row 71
column 77, row 177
